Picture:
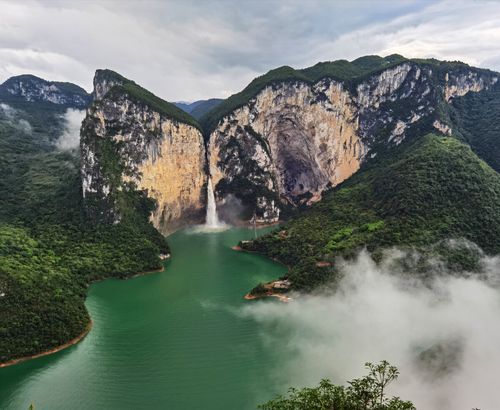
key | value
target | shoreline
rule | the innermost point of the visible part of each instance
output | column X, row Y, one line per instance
column 269, row 294
column 136, row 275
column 280, row 296
column 56, row 349
column 80, row 337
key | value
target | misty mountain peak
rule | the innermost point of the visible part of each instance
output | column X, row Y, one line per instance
column 30, row 88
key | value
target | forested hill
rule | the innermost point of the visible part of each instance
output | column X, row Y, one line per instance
column 360, row 141
column 419, row 196
column 49, row 252
column 350, row 73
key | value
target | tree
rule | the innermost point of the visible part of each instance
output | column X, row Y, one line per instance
column 366, row 393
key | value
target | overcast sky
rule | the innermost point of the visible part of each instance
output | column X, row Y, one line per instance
column 189, row 50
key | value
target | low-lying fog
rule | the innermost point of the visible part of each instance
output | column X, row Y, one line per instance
column 444, row 335
column 70, row 138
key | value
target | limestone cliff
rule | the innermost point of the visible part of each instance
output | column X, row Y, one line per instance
column 134, row 143
column 295, row 138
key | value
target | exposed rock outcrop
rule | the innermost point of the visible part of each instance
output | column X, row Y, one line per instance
column 295, row 139
column 128, row 146
column 276, row 146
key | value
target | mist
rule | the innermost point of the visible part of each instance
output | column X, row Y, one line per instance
column 10, row 115
column 442, row 333
column 231, row 210
column 70, row 138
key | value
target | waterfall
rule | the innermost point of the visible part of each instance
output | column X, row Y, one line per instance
column 212, row 219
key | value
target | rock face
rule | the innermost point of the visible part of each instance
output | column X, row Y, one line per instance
column 276, row 146
column 295, row 139
column 128, row 146
column 33, row 89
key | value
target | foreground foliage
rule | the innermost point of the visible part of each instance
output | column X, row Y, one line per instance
column 366, row 393
column 49, row 253
column 416, row 197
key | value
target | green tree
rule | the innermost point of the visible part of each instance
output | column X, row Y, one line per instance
column 366, row 393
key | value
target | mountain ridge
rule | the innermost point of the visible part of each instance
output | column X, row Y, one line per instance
column 344, row 168
column 330, row 127
column 30, row 88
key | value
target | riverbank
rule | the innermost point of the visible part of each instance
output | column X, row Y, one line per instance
column 269, row 294
column 136, row 275
column 50, row 351
column 155, row 337
column 269, row 287
column 87, row 328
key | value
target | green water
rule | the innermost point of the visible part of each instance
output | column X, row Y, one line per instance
column 169, row 340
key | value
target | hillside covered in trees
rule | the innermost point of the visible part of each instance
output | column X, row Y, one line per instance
column 49, row 252
column 416, row 197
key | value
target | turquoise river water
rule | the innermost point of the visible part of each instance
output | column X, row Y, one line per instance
column 169, row 340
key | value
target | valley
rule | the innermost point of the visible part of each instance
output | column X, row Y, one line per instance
column 390, row 161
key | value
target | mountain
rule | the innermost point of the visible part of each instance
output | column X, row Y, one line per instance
column 476, row 120
column 199, row 108
column 293, row 134
column 28, row 88
column 283, row 141
column 204, row 107
column 132, row 141
column 421, row 195
column 49, row 250
column 377, row 152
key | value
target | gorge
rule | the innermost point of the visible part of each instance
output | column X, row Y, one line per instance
column 276, row 146
column 391, row 158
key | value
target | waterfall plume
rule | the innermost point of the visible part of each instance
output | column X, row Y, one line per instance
column 212, row 220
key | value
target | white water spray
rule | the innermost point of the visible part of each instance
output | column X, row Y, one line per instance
column 212, row 220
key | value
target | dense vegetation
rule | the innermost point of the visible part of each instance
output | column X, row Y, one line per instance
column 351, row 73
column 340, row 70
column 426, row 191
column 141, row 95
column 49, row 253
column 477, row 121
column 366, row 393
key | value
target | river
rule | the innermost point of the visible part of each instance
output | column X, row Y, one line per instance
column 168, row 340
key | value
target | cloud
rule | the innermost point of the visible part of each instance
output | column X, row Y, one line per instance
column 11, row 116
column 70, row 138
column 7, row 111
column 191, row 49
column 448, row 30
column 443, row 335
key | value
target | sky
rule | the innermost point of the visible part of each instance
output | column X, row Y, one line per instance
column 185, row 50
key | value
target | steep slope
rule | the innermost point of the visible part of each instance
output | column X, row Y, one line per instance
column 292, row 134
column 426, row 191
column 132, row 141
column 49, row 251
column 475, row 118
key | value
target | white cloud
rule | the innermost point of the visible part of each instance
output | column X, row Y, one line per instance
column 443, row 335
column 448, row 30
column 70, row 138
column 7, row 111
column 11, row 116
column 186, row 50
